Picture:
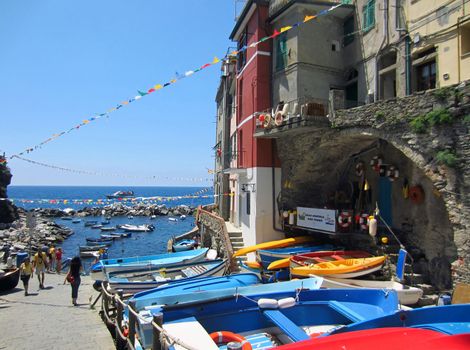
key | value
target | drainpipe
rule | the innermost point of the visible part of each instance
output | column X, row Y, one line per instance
column 385, row 39
column 273, row 184
column 408, row 63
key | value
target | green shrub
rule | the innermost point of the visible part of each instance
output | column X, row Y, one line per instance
column 447, row 157
column 442, row 94
column 418, row 124
column 438, row 116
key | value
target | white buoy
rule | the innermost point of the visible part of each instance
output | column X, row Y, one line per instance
column 265, row 303
column 286, row 302
column 372, row 226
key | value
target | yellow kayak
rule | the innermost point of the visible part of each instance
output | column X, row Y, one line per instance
column 274, row 244
column 279, row 264
column 347, row 268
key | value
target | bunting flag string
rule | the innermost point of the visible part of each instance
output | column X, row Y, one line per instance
column 177, row 77
column 116, row 175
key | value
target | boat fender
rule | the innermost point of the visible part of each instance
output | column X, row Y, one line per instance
column 279, row 118
column 227, row 337
column 372, row 226
column 211, row 254
column 267, row 120
column 265, row 303
column 286, row 302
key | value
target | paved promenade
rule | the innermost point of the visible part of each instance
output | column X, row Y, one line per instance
column 46, row 319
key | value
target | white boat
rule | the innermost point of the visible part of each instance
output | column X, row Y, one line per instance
column 173, row 219
column 137, row 228
column 406, row 295
column 183, row 217
column 153, row 217
column 76, row 221
column 130, row 217
column 120, row 194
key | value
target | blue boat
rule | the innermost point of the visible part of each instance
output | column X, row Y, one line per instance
column 149, row 261
column 92, row 242
column 185, row 244
column 204, row 289
column 267, row 256
column 276, row 318
column 134, row 281
column 449, row 319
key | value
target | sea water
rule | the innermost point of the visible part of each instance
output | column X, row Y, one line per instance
column 140, row 243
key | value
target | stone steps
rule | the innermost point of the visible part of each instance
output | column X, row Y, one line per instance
column 427, row 300
column 413, row 279
column 427, row 288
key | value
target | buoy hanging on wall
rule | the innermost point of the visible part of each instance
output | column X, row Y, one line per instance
column 393, row 173
column 375, row 163
column 344, row 220
column 417, row 194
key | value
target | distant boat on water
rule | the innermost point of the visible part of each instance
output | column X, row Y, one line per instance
column 120, row 194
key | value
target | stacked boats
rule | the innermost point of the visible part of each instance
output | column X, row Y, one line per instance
column 323, row 307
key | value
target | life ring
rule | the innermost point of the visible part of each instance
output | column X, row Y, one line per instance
column 375, row 163
column 360, row 169
column 393, row 173
column 267, row 120
column 227, row 337
column 345, row 219
column 364, row 222
column 279, row 118
column 260, row 120
column 416, row 194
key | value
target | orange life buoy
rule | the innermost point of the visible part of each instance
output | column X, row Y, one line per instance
column 279, row 118
column 227, row 337
column 416, row 194
column 344, row 219
column 393, row 173
column 375, row 163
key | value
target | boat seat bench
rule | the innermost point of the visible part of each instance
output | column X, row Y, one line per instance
column 286, row 325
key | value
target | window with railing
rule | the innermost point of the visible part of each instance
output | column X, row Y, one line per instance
column 241, row 48
column 368, row 15
column 281, row 51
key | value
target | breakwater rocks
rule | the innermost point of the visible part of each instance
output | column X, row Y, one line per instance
column 31, row 233
column 119, row 209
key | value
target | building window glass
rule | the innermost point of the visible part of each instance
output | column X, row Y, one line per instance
column 465, row 39
column 241, row 47
column 348, row 30
column 281, row 51
column 248, row 204
column 368, row 15
column 426, row 76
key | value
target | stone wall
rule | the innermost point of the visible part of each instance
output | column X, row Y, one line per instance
column 426, row 136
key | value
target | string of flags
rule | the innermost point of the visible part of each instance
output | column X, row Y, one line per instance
column 118, row 175
column 145, row 92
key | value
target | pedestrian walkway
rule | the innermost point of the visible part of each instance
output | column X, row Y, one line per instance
column 46, row 319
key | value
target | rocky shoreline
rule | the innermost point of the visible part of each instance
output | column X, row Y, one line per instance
column 17, row 236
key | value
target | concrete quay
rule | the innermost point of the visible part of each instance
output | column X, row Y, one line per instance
column 46, row 318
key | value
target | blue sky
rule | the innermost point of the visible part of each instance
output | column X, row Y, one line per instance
column 63, row 61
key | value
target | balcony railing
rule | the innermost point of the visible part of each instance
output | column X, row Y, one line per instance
column 275, row 5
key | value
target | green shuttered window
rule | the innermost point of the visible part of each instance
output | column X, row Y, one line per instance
column 368, row 15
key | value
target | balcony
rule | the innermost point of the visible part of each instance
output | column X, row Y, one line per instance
column 278, row 6
column 299, row 115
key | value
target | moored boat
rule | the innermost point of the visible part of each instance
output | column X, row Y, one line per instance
column 9, row 279
column 267, row 256
column 120, row 194
column 149, row 261
column 84, row 248
column 139, row 280
column 98, row 242
column 274, row 244
column 108, row 229
column 137, row 228
column 90, row 223
column 185, row 244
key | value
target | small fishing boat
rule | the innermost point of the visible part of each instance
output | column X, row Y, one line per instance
column 185, row 244
column 153, row 217
column 108, row 229
column 98, row 226
column 205, row 289
column 182, row 217
column 120, row 194
column 305, row 259
column 407, row 295
column 91, row 223
column 89, row 254
column 139, row 280
column 130, row 217
column 346, row 268
column 68, row 218
column 105, row 222
column 385, row 339
column 137, row 228
column 117, row 235
column 448, row 319
column 99, row 242
column 172, row 219
column 274, row 244
column 149, row 261
column 9, row 279
column 273, row 319
column 87, row 248
column 76, row 221
column 267, row 256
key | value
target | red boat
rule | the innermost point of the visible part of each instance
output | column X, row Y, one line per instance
column 319, row 257
column 385, row 339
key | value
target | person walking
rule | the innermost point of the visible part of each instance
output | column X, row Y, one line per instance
column 40, row 265
column 73, row 277
column 52, row 260
column 58, row 260
column 26, row 271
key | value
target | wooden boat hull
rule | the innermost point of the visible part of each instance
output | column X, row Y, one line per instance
column 385, row 339
column 273, row 244
column 9, row 279
column 347, row 268
column 406, row 295
column 149, row 261
column 133, row 282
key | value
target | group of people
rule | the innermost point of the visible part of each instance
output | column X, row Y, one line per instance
column 50, row 260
